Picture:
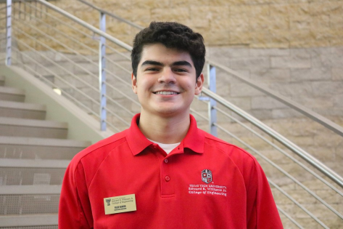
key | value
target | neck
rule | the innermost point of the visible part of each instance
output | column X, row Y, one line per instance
column 162, row 129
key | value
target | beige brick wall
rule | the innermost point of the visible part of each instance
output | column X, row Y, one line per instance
column 251, row 23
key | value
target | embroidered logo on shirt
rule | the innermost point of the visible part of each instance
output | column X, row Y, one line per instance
column 206, row 176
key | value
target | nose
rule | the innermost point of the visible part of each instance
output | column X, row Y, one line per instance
column 167, row 76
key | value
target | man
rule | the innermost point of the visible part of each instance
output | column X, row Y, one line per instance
column 164, row 172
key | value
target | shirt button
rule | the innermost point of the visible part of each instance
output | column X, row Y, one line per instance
column 166, row 160
column 167, row 178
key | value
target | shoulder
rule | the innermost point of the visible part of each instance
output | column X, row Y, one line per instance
column 244, row 161
column 227, row 148
column 96, row 153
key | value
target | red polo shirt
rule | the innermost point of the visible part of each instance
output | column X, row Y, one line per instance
column 203, row 183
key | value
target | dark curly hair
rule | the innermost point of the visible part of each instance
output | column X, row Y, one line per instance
column 172, row 35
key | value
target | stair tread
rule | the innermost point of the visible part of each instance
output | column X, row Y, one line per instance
column 22, row 105
column 30, row 189
column 33, row 163
column 32, row 122
column 43, row 141
column 28, row 220
column 11, row 90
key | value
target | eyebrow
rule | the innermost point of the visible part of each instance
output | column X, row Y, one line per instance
column 177, row 63
column 151, row 62
column 181, row 63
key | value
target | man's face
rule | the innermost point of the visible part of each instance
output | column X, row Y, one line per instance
column 166, row 81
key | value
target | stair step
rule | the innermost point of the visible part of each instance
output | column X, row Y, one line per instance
column 22, row 110
column 40, row 148
column 32, row 172
column 30, row 189
column 28, row 220
column 31, row 176
column 29, row 199
column 2, row 80
column 32, row 128
column 27, row 163
column 12, row 94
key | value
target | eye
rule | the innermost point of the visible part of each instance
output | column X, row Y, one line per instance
column 180, row 70
column 151, row 69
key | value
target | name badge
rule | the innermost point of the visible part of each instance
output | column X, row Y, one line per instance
column 119, row 204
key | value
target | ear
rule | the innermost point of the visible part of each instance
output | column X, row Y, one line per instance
column 134, row 83
column 198, row 84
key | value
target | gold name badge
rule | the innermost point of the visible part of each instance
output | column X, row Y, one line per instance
column 119, row 204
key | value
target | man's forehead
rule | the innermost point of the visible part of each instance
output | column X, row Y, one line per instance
column 148, row 48
column 153, row 52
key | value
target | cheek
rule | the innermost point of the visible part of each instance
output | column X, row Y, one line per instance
column 143, row 86
column 187, row 83
column 191, row 86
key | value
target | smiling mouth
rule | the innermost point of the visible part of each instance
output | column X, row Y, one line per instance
column 166, row 93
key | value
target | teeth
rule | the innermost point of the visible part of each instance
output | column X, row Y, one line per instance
column 166, row 93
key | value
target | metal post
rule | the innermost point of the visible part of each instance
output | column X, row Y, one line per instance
column 102, row 73
column 9, row 32
column 212, row 112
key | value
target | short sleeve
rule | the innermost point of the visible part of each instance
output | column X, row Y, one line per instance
column 262, row 212
column 74, row 207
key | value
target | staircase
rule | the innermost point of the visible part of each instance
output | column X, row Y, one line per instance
column 34, row 154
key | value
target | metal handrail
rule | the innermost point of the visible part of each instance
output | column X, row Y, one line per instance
column 64, row 23
column 307, row 112
column 282, row 151
column 67, row 94
column 121, row 54
column 90, row 86
column 71, row 85
column 298, row 204
column 306, row 156
column 284, row 172
column 86, row 25
column 107, row 71
column 90, row 73
column 47, row 81
column 289, row 217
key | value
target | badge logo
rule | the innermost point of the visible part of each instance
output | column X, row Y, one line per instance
column 206, row 176
column 108, row 201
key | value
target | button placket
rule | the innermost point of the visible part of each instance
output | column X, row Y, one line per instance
column 167, row 183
